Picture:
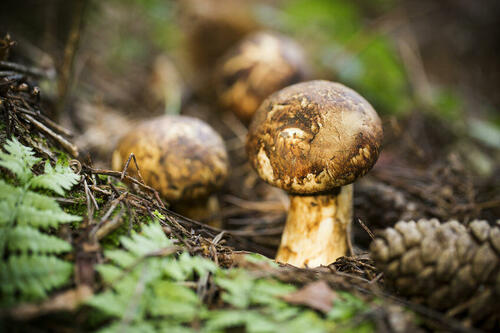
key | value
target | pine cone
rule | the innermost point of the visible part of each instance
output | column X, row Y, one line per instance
column 448, row 267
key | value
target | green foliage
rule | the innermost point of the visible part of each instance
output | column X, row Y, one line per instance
column 18, row 159
column 356, row 56
column 448, row 104
column 58, row 179
column 30, row 268
column 33, row 275
column 345, row 307
column 25, row 239
column 145, row 281
column 149, row 286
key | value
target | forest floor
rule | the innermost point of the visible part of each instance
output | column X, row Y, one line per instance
column 429, row 169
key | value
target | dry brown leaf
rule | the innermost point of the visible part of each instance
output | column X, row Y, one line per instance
column 316, row 295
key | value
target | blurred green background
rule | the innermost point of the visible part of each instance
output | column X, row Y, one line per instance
column 437, row 58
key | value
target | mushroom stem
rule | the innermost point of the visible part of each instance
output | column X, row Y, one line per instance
column 202, row 209
column 316, row 228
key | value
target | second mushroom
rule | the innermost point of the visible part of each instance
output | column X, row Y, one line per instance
column 313, row 139
column 183, row 158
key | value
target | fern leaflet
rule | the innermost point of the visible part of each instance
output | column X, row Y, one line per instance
column 30, row 268
column 26, row 239
column 19, row 159
column 33, row 275
column 58, row 179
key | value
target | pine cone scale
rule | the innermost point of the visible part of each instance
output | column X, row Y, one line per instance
column 444, row 265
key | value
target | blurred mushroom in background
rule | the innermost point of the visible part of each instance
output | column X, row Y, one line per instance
column 259, row 65
column 211, row 28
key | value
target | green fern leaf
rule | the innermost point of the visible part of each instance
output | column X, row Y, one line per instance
column 109, row 273
column 186, row 265
column 28, row 272
column 58, row 179
column 174, row 270
column 224, row 319
column 26, row 239
column 9, row 195
column 121, row 258
column 128, row 297
column 41, row 211
column 110, row 303
column 174, row 301
column 166, row 326
column 197, row 264
column 238, row 285
column 267, row 292
column 33, row 275
column 19, row 160
column 151, row 239
column 142, row 327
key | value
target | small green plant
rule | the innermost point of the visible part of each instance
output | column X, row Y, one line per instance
column 146, row 285
column 29, row 267
column 149, row 286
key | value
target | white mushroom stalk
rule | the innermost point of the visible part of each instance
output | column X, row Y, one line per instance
column 316, row 228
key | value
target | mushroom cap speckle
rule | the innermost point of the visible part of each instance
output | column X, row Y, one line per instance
column 259, row 65
column 314, row 136
column 182, row 157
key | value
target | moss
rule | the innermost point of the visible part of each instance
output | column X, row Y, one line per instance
column 113, row 239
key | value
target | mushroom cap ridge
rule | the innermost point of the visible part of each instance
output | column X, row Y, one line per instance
column 182, row 157
column 314, row 136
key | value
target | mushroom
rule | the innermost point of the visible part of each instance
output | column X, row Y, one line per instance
column 259, row 65
column 313, row 139
column 182, row 157
column 210, row 28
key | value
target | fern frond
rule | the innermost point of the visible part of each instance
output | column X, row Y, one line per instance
column 109, row 273
column 58, row 179
column 224, row 319
column 9, row 195
column 41, row 211
column 121, row 258
column 152, row 238
column 8, row 191
column 19, row 159
column 175, row 301
column 142, row 327
column 25, row 239
column 28, row 272
column 110, row 303
column 33, row 275
column 238, row 285
column 196, row 264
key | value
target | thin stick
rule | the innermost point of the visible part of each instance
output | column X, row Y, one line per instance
column 68, row 146
column 132, row 156
column 105, row 217
column 368, row 231
column 107, row 228
column 24, row 69
column 90, row 207
column 46, row 120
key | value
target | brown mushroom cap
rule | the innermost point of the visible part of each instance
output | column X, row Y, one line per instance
column 314, row 136
column 182, row 157
column 259, row 65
